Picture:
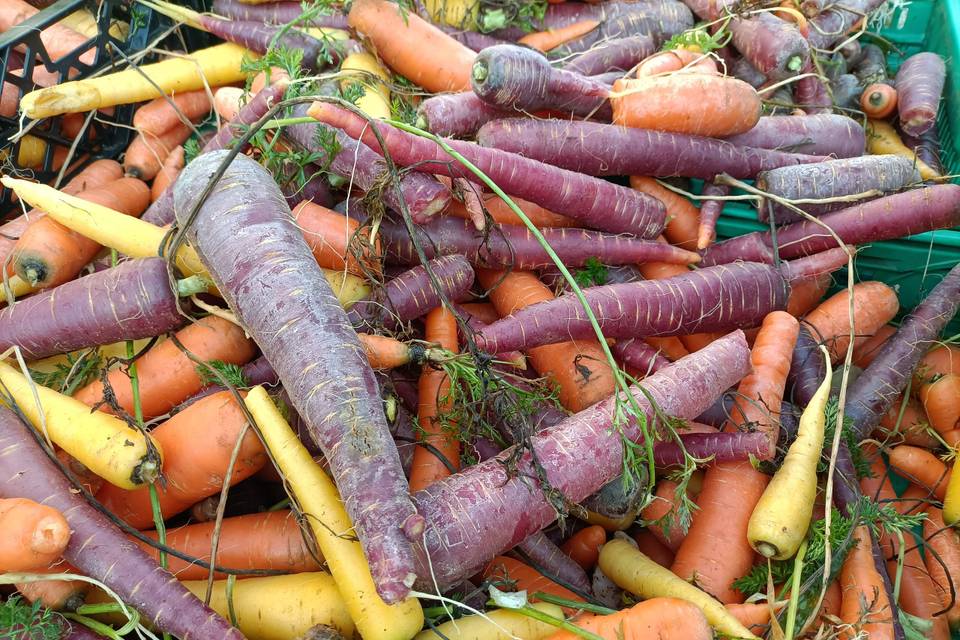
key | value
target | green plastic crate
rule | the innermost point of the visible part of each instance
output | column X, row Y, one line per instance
column 917, row 263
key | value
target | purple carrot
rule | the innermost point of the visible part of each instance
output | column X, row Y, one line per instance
column 846, row 89
column 920, row 83
column 811, row 92
column 505, row 245
column 638, row 355
column 743, row 70
column 619, row 54
column 871, row 67
column 160, row 212
column 815, row 264
column 605, row 590
column 513, row 77
column 596, row 203
column 773, row 46
column 476, row 324
column 130, row 301
column 721, row 447
column 712, row 299
column 872, row 394
column 471, row 39
column 660, row 21
column 97, row 548
column 807, row 368
column 500, row 505
column 710, row 212
column 833, row 25
column 276, row 13
column 355, row 161
column 718, row 413
column 901, row 214
column 612, row 274
column 411, row 295
column 548, row 559
column 288, row 307
column 926, row 146
column 818, row 135
column 457, row 115
column 313, row 189
column 601, row 149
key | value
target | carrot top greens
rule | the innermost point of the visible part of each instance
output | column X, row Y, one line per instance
column 22, row 620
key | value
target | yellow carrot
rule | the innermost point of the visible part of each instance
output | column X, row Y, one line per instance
column 115, row 350
column 317, row 496
column 951, row 501
column 363, row 69
column 280, row 607
column 502, row 624
column 85, row 23
column 214, row 66
column 882, row 138
column 631, row 570
column 101, row 442
column 454, row 13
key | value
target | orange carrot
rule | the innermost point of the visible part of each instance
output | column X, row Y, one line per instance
column 147, row 151
column 865, row 604
column 578, row 368
column 874, row 305
column 661, row 618
column 58, row 40
column 482, row 311
column 583, row 547
column 942, row 558
column 878, row 488
column 684, row 218
column 878, row 100
column 169, row 171
column 271, row 540
column 660, row 515
column 276, row 75
column 513, row 575
column 832, row 603
column 553, row 38
column 337, row 242
column 197, row 445
column 502, row 214
column 434, row 401
column 921, row 467
column 400, row 38
column 864, row 353
column 34, row 535
column 754, row 616
column 912, row 428
column 671, row 347
column 696, row 341
column 650, row 546
column 939, row 361
column 166, row 375
column 805, row 294
column 385, row 352
column 677, row 61
column 159, row 116
column 952, row 438
column 694, row 103
column 227, row 102
column 55, row 594
column 941, row 402
column 919, row 594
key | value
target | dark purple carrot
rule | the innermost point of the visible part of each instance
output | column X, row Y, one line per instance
column 619, row 54
column 601, row 149
column 872, row 394
column 548, row 559
column 719, row 447
column 920, row 83
column 831, row 179
column 818, row 135
column 411, row 295
column 926, row 146
column 846, row 89
column 718, row 413
column 97, row 548
column 314, row 189
column 276, row 13
column 598, row 204
column 638, row 355
column 660, row 21
column 504, row 245
column 130, row 301
column 710, row 211
column 811, row 92
column 743, row 70
column 513, row 77
column 610, row 274
column 288, row 307
column 773, row 46
column 358, row 163
column 901, row 214
column 833, row 25
column 501, row 505
column 718, row 298
column 807, row 367
column 457, row 115
column 710, row 10
column 871, row 67
column 471, row 39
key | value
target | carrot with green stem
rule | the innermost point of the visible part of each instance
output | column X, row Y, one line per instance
column 34, row 535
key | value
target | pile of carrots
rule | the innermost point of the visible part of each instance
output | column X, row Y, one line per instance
column 410, row 320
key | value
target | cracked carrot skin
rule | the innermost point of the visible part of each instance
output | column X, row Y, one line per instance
column 97, row 548
column 271, row 280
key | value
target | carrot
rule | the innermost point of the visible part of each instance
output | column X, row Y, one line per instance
column 49, row 254
column 874, row 305
column 676, row 60
column 864, row 354
column 683, row 217
column 670, row 346
column 499, row 624
column 337, row 242
column 865, row 605
column 553, row 38
column 951, row 501
column 941, row 360
column 919, row 595
column 227, row 101
column 34, row 535
column 912, row 427
column 502, row 214
column 58, row 40
column 58, row 595
column 694, row 103
column 384, row 352
column 434, row 402
column 952, row 438
column 806, row 293
column 651, row 547
column 882, row 138
column 146, row 153
column 81, row 475
column 578, row 367
column 400, row 39
column 363, row 70
column 661, row 518
column 754, row 616
column 168, row 173
column 513, row 575
column 942, row 558
column 661, row 618
column 583, row 547
column 941, row 402
column 921, row 467
column 878, row 100
column 163, row 114
column 166, row 375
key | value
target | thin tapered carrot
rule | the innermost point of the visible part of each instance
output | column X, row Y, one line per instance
column 401, row 37
column 172, row 165
column 34, row 535
column 578, row 368
column 270, row 540
column 583, row 547
column 878, row 488
column 553, row 38
column 864, row 353
column 166, row 375
column 919, row 595
column 337, row 242
column 865, row 606
column 942, row 558
column 662, row 618
column 162, row 114
column 508, row 572
column 806, row 294
column 650, row 546
column 434, row 402
column 146, row 153
column 385, row 352
column 57, row 595
column 941, row 402
column 754, row 616
column 48, row 253
column 874, row 305
column 921, row 467
column 684, row 217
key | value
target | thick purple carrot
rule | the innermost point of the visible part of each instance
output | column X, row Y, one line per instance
column 807, row 367
column 926, row 146
column 833, row 25
column 720, row 447
column 718, row 298
column 871, row 67
column 548, row 559
column 506, row 245
column 710, row 212
column 130, row 301
column 457, row 115
column 411, row 295
column 773, row 46
column 276, row 13
column 901, row 214
column 160, row 212
column 97, row 548
column 846, row 90
column 598, row 204
column 811, row 92
column 470, row 39
column 660, row 21
column 247, row 238
column 638, row 355
column 601, row 149
column 875, row 390
column 920, row 83
column 491, row 507
column 619, row 54
column 513, row 77
column 743, row 70
column 832, row 179
column 358, row 163
column 258, row 36
column 818, row 135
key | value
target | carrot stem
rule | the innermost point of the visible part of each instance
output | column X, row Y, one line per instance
column 536, row 614
column 794, row 590
column 573, row 604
